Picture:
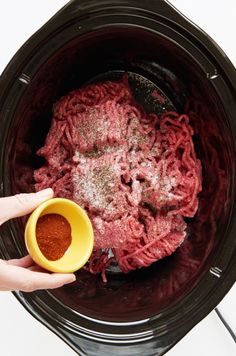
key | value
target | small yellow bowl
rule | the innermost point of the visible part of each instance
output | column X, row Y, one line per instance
column 81, row 246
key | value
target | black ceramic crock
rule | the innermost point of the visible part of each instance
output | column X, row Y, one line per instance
column 145, row 312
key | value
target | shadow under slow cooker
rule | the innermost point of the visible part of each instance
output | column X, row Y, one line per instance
column 106, row 54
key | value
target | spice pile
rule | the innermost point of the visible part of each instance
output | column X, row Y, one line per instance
column 53, row 234
column 136, row 174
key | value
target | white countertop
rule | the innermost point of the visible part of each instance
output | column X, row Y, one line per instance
column 20, row 333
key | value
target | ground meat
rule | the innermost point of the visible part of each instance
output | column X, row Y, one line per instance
column 136, row 174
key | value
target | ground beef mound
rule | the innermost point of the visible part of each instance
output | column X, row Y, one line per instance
column 136, row 174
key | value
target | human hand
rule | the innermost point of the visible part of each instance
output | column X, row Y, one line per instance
column 23, row 274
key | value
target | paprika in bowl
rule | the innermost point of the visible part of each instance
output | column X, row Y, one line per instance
column 59, row 236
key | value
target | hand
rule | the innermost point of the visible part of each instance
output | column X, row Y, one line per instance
column 23, row 274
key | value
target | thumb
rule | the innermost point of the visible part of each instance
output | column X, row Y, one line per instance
column 22, row 204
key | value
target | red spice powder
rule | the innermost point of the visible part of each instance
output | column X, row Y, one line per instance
column 53, row 234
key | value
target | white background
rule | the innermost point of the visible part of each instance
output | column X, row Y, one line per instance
column 20, row 333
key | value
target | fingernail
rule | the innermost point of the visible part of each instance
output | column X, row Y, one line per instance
column 45, row 193
column 72, row 279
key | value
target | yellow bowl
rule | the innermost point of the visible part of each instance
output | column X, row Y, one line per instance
column 81, row 246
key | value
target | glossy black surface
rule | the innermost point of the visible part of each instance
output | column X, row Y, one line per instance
column 145, row 312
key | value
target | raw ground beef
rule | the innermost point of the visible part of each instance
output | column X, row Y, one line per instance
column 136, row 174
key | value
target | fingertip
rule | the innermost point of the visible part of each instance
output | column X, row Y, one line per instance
column 45, row 193
column 73, row 277
column 69, row 278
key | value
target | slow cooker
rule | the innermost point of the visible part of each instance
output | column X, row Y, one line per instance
column 148, row 311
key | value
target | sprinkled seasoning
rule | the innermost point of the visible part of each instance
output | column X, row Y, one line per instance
column 95, row 185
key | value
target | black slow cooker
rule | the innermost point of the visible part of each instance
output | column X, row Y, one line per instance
column 144, row 312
